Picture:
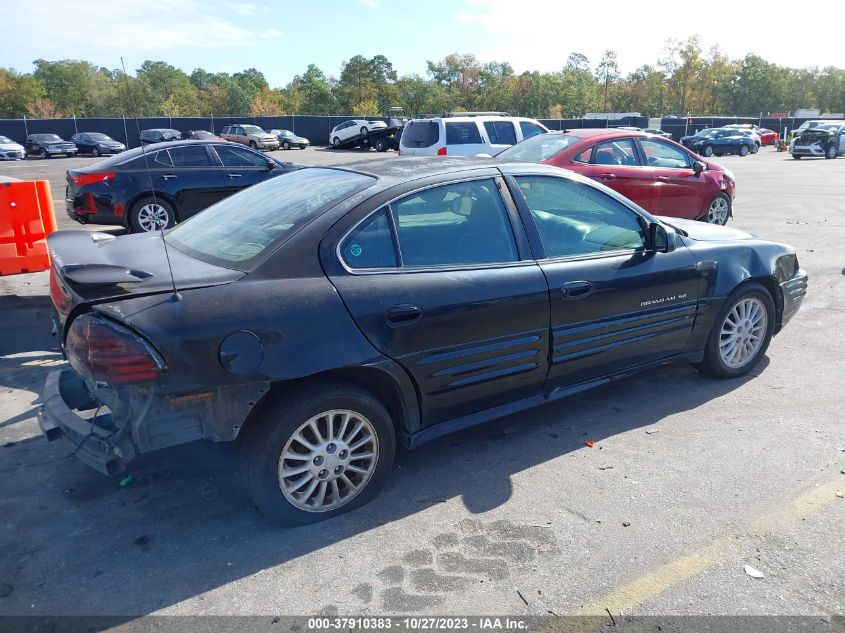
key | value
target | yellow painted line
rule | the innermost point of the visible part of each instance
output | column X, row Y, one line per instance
column 42, row 363
column 675, row 572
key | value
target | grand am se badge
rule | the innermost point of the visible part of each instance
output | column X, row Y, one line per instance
column 650, row 302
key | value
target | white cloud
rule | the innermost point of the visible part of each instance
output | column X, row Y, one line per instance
column 139, row 25
column 242, row 8
column 540, row 34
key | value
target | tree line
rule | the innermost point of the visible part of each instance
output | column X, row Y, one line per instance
column 686, row 79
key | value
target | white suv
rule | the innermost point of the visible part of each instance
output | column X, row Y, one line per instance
column 466, row 135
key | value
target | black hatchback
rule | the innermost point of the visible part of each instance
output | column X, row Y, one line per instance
column 145, row 189
column 323, row 317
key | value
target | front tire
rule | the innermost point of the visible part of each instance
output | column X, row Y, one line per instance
column 335, row 141
column 315, row 453
column 796, row 157
column 364, row 130
column 755, row 148
column 285, row 145
column 741, row 333
column 150, row 215
column 830, row 152
column 719, row 210
column 44, row 155
column 253, row 145
column 95, row 152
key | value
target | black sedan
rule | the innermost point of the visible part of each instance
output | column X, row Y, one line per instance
column 145, row 189
column 288, row 139
column 325, row 316
column 48, row 145
column 717, row 142
column 97, row 143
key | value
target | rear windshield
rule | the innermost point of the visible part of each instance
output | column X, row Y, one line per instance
column 420, row 134
column 235, row 232
column 98, row 136
column 462, row 133
column 539, row 148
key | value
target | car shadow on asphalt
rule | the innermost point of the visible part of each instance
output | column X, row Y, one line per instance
column 182, row 524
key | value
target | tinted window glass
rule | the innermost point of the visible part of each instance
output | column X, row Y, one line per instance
column 371, row 244
column 232, row 156
column 420, row 134
column 162, row 158
column 460, row 223
column 500, row 132
column 659, row 154
column 616, row 152
column 530, row 129
column 189, row 156
column 539, row 148
column 236, row 231
column 462, row 133
column 584, row 157
column 575, row 219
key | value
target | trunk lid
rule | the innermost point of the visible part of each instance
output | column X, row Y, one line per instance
column 90, row 268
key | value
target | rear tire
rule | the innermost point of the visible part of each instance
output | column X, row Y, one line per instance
column 335, row 141
column 380, row 145
column 743, row 150
column 315, row 490
column 146, row 214
column 44, row 155
column 285, row 145
column 707, row 151
column 732, row 349
column 755, row 148
column 253, row 145
column 95, row 152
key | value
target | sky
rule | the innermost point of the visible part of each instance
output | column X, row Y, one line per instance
column 281, row 37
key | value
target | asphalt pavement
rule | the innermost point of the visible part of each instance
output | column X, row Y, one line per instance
column 688, row 480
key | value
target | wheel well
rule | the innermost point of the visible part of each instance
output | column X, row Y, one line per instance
column 379, row 383
column 149, row 194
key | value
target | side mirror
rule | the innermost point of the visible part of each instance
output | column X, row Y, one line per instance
column 662, row 238
column 698, row 167
column 271, row 165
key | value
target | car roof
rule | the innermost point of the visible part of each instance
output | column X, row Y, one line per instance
column 393, row 171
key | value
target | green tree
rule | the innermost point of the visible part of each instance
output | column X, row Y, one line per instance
column 607, row 72
column 313, row 92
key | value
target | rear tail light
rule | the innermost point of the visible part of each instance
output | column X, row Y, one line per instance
column 89, row 179
column 441, row 151
column 107, row 352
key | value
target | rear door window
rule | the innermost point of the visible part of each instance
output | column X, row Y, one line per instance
column 462, row 133
column 420, row 134
column 459, row 223
column 619, row 151
column 500, row 132
column 189, row 156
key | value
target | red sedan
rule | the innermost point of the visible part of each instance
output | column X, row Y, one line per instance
column 767, row 137
column 656, row 173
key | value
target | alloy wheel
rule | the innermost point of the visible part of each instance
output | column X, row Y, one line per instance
column 152, row 217
column 743, row 332
column 328, row 460
column 718, row 211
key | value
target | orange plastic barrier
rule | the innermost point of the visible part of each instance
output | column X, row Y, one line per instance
column 26, row 219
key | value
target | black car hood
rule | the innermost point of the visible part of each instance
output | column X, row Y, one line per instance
column 704, row 232
column 95, row 267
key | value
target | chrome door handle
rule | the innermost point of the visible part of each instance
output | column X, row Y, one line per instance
column 608, row 176
column 234, row 175
column 169, row 176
